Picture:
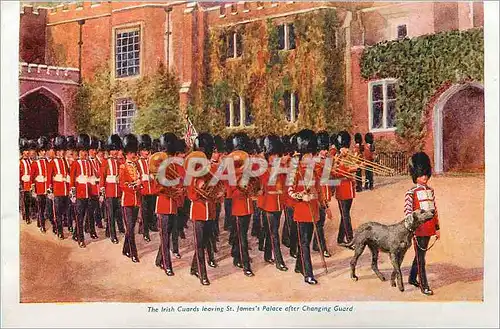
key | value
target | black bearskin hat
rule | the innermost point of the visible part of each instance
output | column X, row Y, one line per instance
column 59, row 143
column 259, row 142
column 145, row 142
column 343, row 140
column 155, row 146
column 358, row 138
column 323, row 140
column 42, row 143
column 307, row 141
column 130, row 144
column 333, row 141
column 32, row 144
column 241, row 142
column 70, row 142
column 180, row 146
column 204, row 142
column 220, row 144
column 83, row 142
column 273, row 145
column 94, row 143
column 229, row 144
column 293, row 143
column 101, row 145
column 369, row 138
column 114, row 143
column 420, row 165
column 252, row 146
column 23, row 144
column 168, row 143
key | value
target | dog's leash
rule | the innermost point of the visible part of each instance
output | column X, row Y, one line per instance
column 425, row 249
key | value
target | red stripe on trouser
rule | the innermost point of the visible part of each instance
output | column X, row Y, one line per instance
column 418, row 263
column 108, row 220
column 239, row 239
column 76, row 220
column 197, row 254
column 343, row 221
column 161, row 242
column 271, row 235
column 301, row 251
column 127, row 236
column 38, row 208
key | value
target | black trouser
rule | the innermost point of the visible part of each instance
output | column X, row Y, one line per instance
column 368, row 177
column 91, row 217
column 359, row 181
column 166, row 225
column 240, row 245
column 345, row 228
column 82, row 207
column 112, row 213
column 418, row 266
column 70, row 213
column 26, row 204
column 320, row 227
column 98, row 213
column 130, row 219
column 147, row 212
column 256, row 227
column 263, row 230
column 218, row 209
column 178, row 226
column 49, row 212
column 304, row 263
column 201, row 232
column 210, row 240
column 61, row 207
column 41, row 201
column 272, row 244
column 227, row 213
column 34, row 207
column 293, row 235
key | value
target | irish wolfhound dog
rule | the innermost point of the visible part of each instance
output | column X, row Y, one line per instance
column 393, row 239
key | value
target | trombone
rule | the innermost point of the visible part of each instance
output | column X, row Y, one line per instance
column 368, row 165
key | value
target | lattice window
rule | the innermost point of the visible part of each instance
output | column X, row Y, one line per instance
column 125, row 112
column 127, row 52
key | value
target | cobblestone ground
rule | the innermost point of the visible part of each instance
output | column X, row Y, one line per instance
column 59, row 271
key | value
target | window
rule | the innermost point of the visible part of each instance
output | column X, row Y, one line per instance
column 402, row 32
column 291, row 105
column 127, row 52
column 383, row 104
column 125, row 111
column 238, row 112
column 234, row 45
column 286, row 37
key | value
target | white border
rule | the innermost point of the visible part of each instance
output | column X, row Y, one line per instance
column 111, row 314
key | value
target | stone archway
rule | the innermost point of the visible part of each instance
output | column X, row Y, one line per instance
column 459, row 129
column 39, row 112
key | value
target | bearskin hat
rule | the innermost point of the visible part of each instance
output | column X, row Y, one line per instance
column 59, row 143
column 181, row 146
column 358, row 138
column 155, row 146
column 241, row 142
column 42, row 144
column 83, row 142
column 204, row 142
column 70, row 142
column 145, row 142
column 32, row 144
column 323, row 140
column 168, row 143
column 307, row 141
column 273, row 145
column 293, row 143
column 420, row 165
column 94, row 143
column 334, row 141
column 220, row 144
column 114, row 143
column 343, row 139
column 101, row 145
column 130, row 144
column 23, row 144
column 369, row 138
column 259, row 143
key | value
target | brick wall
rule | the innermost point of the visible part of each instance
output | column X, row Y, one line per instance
column 32, row 39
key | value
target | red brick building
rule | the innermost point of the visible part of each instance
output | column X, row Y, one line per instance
column 134, row 37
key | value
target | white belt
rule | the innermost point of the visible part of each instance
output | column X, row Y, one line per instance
column 111, row 179
column 147, row 178
column 82, row 179
column 41, row 179
column 92, row 180
column 274, row 192
column 25, row 178
column 61, row 178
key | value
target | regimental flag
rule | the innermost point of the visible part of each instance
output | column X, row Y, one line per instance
column 191, row 133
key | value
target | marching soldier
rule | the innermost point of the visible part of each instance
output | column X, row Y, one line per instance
column 216, row 159
column 228, row 220
column 306, row 204
column 273, row 203
column 359, row 149
column 323, row 140
column 58, row 179
column 202, row 211
column 39, row 183
column 345, row 192
column 49, row 207
column 130, row 184
column 292, row 235
column 257, row 227
column 421, row 196
column 183, row 204
column 25, row 180
column 99, row 159
column 167, row 204
column 91, row 219
column 108, row 184
column 242, row 209
column 69, row 158
column 148, row 197
column 80, row 173
column 369, row 154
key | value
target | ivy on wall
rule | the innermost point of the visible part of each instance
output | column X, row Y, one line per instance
column 314, row 70
column 422, row 65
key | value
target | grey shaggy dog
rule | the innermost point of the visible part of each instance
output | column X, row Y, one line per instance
column 393, row 239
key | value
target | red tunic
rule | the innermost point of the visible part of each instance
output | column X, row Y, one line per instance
column 131, row 195
column 148, row 181
column 200, row 209
column 108, row 178
column 165, row 204
column 422, row 197
column 368, row 154
column 346, row 189
column 39, row 173
column 273, row 195
column 305, row 211
column 94, row 177
column 79, row 178
column 59, row 177
column 242, row 205
column 25, row 174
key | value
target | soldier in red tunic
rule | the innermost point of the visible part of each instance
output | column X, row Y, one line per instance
column 148, row 192
column 80, row 173
column 290, row 234
column 94, row 177
column 108, row 184
column 69, row 158
column 25, row 179
column 39, row 181
column 130, row 184
column 217, row 156
column 369, row 154
column 306, row 195
column 59, row 183
column 421, row 196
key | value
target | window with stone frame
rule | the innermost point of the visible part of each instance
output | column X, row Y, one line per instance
column 234, row 45
column 125, row 110
column 291, row 106
column 238, row 112
column 382, row 107
column 286, row 36
column 127, row 52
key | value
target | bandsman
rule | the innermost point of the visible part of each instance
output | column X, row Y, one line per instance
column 69, row 158
column 94, row 177
column 39, row 181
column 148, row 192
column 25, row 179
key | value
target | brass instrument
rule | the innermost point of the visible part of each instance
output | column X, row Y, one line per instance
column 202, row 184
column 345, row 173
column 133, row 173
column 368, row 165
column 171, row 173
column 253, row 186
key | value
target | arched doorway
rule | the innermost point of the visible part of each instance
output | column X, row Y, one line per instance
column 38, row 114
column 459, row 129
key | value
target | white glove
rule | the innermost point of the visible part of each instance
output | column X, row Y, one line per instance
column 306, row 197
column 73, row 199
